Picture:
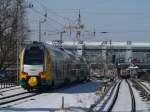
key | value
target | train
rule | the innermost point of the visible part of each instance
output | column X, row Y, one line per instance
column 125, row 73
column 44, row 66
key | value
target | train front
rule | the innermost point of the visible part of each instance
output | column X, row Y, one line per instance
column 32, row 66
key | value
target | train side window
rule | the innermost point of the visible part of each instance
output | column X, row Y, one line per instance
column 59, row 55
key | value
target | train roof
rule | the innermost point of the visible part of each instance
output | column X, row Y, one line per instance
column 35, row 44
column 59, row 52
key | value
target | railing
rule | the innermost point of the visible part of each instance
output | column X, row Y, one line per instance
column 7, row 82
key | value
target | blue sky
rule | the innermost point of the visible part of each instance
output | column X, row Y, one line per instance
column 122, row 19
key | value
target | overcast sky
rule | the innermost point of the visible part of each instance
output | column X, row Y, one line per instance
column 122, row 19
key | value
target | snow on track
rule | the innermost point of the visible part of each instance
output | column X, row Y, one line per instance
column 123, row 102
column 11, row 91
column 77, row 98
column 104, row 105
column 10, row 88
column 141, row 106
column 146, row 86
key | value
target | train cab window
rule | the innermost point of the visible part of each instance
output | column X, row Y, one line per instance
column 34, row 56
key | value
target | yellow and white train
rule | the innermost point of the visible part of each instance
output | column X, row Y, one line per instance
column 42, row 65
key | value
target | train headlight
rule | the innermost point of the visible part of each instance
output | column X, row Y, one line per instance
column 43, row 75
column 23, row 75
column 33, row 81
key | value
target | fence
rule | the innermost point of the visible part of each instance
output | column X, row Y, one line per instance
column 5, row 83
column 8, row 79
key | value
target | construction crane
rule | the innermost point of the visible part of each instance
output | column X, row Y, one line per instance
column 78, row 27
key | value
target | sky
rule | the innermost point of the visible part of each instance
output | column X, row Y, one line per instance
column 123, row 20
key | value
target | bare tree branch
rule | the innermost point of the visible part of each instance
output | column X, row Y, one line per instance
column 12, row 24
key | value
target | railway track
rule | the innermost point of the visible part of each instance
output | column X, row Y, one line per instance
column 144, row 87
column 16, row 97
column 114, row 99
column 9, row 89
column 7, row 100
column 112, row 103
column 132, row 97
column 101, row 102
column 145, row 91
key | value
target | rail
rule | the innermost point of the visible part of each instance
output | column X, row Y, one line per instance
column 145, row 87
column 115, row 98
column 16, row 97
column 132, row 98
column 113, row 85
column 145, row 92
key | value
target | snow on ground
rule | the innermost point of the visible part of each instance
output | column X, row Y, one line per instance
column 141, row 106
column 11, row 91
column 77, row 99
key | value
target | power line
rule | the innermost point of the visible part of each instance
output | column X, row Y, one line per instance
column 40, row 4
column 50, row 10
column 53, row 27
column 37, row 30
column 125, row 31
column 41, row 14
column 94, row 4
column 117, row 13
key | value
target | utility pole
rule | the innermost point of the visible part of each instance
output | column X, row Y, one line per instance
column 104, row 56
column 40, row 23
column 17, row 38
column 61, row 37
column 78, row 32
column 128, row 52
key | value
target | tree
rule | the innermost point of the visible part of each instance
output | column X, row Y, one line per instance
column 12, row 27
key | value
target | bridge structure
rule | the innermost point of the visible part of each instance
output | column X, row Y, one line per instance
column 121, row 54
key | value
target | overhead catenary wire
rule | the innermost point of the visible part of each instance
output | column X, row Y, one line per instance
column 117, row 13
column 99, row 2
column 56, row 14
column 48, row 23
column 41, row 14
column 52, row 11
column 126, row 31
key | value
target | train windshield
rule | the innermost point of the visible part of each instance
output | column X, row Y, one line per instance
column 34, row 56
